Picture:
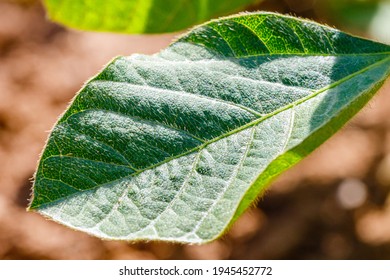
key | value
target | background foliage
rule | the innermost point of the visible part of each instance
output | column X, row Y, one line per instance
column 139, row 16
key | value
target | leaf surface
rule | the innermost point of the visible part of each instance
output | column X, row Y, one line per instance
column 176, row 145
column 139, row 16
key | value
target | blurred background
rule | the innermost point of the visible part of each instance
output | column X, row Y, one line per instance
column 333, row 205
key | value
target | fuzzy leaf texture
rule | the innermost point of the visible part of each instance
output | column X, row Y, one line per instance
column 175, row 146
column 139, row 16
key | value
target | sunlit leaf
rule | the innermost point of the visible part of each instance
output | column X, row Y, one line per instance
column 176, row 145
column 139, row 16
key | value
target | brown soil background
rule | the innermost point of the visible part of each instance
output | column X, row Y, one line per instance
column 304, row 214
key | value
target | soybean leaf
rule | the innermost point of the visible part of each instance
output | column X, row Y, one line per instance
column 139, row 16
column 175, row 146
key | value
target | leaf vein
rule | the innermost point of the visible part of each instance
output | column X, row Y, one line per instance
column 228, row 183
column 186, row 93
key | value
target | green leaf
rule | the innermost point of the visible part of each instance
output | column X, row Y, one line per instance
column 139, row 16
column 176, row 145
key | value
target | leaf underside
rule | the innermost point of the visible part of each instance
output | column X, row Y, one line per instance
column 175, row 146
column 139, row 16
